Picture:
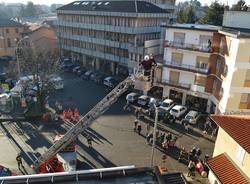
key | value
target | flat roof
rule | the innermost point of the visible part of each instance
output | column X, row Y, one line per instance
column 201, row 27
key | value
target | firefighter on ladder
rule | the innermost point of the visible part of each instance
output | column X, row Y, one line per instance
column 147, row 64
column 19, row 161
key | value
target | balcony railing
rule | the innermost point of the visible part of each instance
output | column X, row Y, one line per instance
column 193, row 47
column 175, row 84
column 189, row 68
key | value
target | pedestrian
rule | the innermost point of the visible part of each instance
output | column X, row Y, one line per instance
column 169, row 137
column 135, row 125
column 207, row 126
column 182, row 154
column 137, row 113
column 162, row 137
column 148, row 128
column 174, row 119
column 64, row 115
column 19, row 161
column 70, row 114
column 89, row 140
column 139, row 128
column 76, row 114
column 149, row 136
column 191, row 169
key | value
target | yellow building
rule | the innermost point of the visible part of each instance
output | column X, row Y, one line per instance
column 231, row 158
column 10, row 33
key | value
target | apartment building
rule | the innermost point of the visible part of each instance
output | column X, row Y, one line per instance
column 110, row 35
column 44, row 38
column 10, row 33
column 187, row 65
column 234, row 58
column 231, row 157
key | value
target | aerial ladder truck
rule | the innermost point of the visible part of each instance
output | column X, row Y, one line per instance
column 49, row 157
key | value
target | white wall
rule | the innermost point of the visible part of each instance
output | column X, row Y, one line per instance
column 165, row 74
column 237, row 19
column 191, row 36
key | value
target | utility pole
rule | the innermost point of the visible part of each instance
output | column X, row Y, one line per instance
column 154, row 135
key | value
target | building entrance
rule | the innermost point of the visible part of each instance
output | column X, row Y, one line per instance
column 176, row 96
column 196, row 103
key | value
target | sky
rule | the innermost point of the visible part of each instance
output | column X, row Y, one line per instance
column 230, row 2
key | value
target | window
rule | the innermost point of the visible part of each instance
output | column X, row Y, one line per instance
column 202, row 62
column 177, row 58
column 174, row 76
column 245, row 97
column 200, row 80
column 16, row 30
column 8, row 42
column 214, row 85
column 205, row 40
column 179, row 38
column 7, row 31
column 240, row 154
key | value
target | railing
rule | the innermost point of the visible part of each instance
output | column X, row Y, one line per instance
column 177, row 65
column 193, row 47
column 175, row 84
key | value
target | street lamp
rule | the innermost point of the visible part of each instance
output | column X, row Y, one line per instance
column 154, row 135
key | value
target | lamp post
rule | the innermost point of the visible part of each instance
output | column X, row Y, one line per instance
column 154, row 135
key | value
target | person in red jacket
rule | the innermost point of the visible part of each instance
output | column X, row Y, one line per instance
column 76, row 114
column 70, row 114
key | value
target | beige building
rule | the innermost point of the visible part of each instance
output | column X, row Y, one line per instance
column 216, row 80
column 44, row 38
column 234, row 56
column 188, row 67
column 10, row 34
column 231, row 158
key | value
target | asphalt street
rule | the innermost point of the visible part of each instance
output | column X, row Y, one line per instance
column 115, row 143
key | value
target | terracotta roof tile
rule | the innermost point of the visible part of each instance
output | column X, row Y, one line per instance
column 237, row 126
column 225, row 171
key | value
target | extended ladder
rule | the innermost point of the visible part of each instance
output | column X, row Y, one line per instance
column 85, row 121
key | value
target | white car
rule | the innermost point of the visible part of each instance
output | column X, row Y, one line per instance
column 192, row 117
column 110, row 82
column 167, row 104
column 57, row 83
column 178, row 110
column 132, row 97
column 143, row 100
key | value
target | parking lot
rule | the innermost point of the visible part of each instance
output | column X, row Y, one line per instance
column 115, row 142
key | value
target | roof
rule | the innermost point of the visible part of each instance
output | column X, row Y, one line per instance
column 9, row 23
column 237, row 126
column 116, row 175
column 225, row 170
column 114, row 6
column 237, row 32
column 200, row 27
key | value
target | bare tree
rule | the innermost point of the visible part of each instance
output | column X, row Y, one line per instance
column 40, row 67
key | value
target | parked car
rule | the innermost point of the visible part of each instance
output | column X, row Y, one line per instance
column 99, row 78
column 178, row 111
column 86, row 75
column 143, row 100
column 167, row 105
column 110, row 82
column 192, row 117
column 93, row 75
column 132, row 97
column 80, row 72
column 153, row 101
column 76, row 68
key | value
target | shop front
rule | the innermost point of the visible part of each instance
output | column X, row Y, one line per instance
column 196, row 103
column 176, row 96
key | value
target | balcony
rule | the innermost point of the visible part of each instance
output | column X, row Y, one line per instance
column 188, row 68
column 192, row 47
column 175, row 84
